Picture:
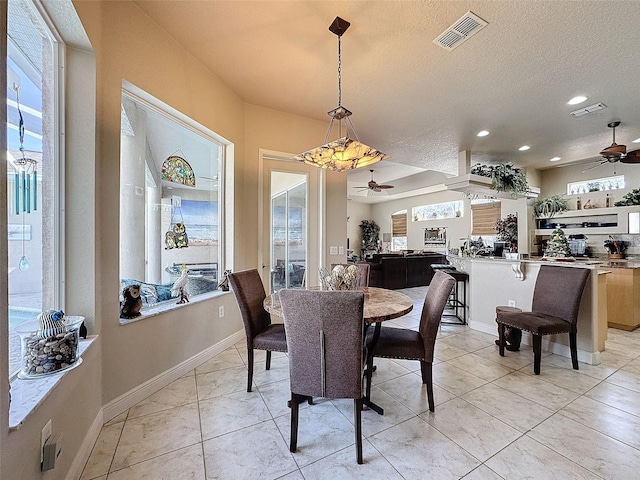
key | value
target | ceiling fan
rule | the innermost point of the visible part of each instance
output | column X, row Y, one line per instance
column 374, row 186
column 616, row 153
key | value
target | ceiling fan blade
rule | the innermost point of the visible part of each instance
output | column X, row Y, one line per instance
column 614, row 150
column 385, row 186
column 631, row 157
column 595, row 166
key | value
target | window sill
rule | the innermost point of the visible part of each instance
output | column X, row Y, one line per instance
column 170, row 305
column 27, row 395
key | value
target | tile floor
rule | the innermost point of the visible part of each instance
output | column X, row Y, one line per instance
column 494, row 419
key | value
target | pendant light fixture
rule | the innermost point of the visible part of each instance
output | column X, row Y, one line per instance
column 344, row 153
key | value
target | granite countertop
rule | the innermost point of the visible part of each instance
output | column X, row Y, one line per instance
column 591, row 262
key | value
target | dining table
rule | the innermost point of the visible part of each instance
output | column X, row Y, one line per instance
column 380, row 305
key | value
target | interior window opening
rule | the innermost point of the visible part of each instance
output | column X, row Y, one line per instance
column 171, row 226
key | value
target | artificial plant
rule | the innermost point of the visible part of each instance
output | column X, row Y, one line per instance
column 370, row 233
column 548, row 207
column 507, row 231
column 504, row 177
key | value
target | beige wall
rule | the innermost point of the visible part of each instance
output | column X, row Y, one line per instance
column 128, row 46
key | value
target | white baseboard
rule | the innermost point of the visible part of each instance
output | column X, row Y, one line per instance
column 139, row 393
column 81, row 457
column 592, row 358
column 127, row 400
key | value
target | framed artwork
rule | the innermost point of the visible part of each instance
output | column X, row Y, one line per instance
column 435, row 235
column 201, row 219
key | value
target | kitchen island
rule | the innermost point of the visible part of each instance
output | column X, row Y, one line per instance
column 623, row 294
column 498, row 281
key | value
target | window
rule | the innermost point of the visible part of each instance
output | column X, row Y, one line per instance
column 171, row 179
column 438, row 211
column 595, row 185
column 399, row 230
column 34, row 197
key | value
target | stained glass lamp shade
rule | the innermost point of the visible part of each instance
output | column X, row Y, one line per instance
column 344, row 153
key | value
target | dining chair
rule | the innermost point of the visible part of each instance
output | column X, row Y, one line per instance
column 402, row 343
column 325, row 343
column 260, row 332
column 555, row 306
column 363, row 272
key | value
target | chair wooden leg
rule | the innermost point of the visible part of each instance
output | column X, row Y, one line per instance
column 268, row 366
column 293, row 443
column 573, row 343
column 250, row 367
column 357, row 417
column 501, row 338
column 537, row 353
column 427, row 379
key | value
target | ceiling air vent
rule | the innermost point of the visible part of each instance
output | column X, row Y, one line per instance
column 590, row 109
column 460, row 31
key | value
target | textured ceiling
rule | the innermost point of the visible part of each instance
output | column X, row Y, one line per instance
column 416, row 101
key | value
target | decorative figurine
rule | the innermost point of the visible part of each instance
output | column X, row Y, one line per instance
column 176, row 237
column 132, row 302
column 224, row 284
column 179, row 287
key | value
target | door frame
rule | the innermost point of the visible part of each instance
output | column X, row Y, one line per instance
column 315, row 220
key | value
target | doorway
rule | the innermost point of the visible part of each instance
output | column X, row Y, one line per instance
column 290, row 246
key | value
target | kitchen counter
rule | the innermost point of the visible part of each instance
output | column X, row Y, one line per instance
column 500, row 281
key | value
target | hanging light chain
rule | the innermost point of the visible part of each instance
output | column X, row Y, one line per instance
column 339, row 71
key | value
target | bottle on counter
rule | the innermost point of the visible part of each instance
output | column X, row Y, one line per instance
column 578, row 204
column 607, row 201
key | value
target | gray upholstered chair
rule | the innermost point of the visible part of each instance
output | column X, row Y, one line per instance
column 325, row 344
column 418, row 345
column 556, row 301
column 261, row 333
column 363, row 272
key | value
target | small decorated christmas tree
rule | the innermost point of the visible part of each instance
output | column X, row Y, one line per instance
column 558, row 246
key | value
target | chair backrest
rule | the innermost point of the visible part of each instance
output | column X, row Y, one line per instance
column 363, row 272
column 558, row 291
column 249, row 291
column 434, row 303
column 324, row 332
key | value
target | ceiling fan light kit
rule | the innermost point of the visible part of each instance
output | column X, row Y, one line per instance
column 344, row 153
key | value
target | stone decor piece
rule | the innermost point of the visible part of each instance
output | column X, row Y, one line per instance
column 49, row 345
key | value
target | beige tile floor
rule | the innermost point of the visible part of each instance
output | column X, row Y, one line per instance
column 494, row 419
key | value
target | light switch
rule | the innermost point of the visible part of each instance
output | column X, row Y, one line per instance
column 340, row 250
column 333, row 250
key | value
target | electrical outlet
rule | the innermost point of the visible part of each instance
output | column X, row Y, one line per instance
column 512, row 303
column 45, row 435
column 221, row 311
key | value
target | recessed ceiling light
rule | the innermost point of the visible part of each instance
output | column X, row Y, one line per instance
column 554, row 159
column 524, row 148
column 483, row 133
column 637, row 140
column 577, row 100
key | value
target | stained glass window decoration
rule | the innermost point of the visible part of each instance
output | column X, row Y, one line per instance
column 177, row 170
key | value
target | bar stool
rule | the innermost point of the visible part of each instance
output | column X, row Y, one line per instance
column 513, row 336
column 456, row 301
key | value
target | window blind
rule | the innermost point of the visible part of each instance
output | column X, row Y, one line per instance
column 484, row 216
column 399, row 225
